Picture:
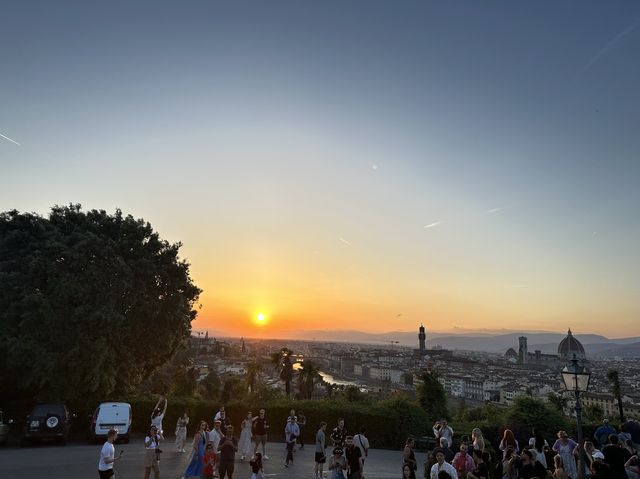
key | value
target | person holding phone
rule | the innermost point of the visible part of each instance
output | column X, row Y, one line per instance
column 108, row 456
column 152, row 453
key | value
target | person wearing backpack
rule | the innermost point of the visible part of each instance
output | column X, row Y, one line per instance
column 362, row 442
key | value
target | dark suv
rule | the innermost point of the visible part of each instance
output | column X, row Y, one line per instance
column 4, row 428
column 47, row 421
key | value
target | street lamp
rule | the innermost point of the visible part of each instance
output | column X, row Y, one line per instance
column 576, row 378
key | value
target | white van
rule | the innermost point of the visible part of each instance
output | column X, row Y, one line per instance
column 111, row 415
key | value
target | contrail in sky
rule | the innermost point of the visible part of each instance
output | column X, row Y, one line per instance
column 495, row 210
column 612, row 43
column 345, row 241
column 12, row 141
column 431, row 225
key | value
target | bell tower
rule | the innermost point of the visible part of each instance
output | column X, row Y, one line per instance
column 422, row 338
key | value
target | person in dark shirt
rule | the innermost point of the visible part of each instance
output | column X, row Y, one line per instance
column 615, row 457
column 633, row 428
column 228, row 447
column 354, row 457
column 446, row 449
column 530, row 467
column 482, row 460
column 599, row 470
column 339, row 434
column 602, row 433
column 259, row 431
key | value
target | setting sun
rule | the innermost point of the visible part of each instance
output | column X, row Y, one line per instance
column 261, row 318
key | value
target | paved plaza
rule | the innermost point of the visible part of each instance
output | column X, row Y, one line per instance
column 79, row 461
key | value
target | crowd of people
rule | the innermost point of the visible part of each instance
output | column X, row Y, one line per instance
column 611, row 454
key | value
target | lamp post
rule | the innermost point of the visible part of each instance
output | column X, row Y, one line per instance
column 576, row 378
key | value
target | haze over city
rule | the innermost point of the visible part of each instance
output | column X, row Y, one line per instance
column 361, row 166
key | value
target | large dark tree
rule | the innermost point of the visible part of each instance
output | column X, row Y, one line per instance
column 90, row 303
column 431, row 396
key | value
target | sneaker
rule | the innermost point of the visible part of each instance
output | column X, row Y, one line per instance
column 242, row 458
column 286, row 464
column 265, row 457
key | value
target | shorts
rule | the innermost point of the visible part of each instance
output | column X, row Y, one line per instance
column 105, row 474
column 320, row 457
column 260, row 439
column 151, row 458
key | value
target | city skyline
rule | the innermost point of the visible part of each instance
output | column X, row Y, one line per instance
column 363, row 166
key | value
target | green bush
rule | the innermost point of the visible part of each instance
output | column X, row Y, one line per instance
column 388, row 422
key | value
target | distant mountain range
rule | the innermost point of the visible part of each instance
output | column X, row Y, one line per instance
column 595, row 345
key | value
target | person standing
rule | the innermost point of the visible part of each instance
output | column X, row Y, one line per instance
column 463, row 462
column 615, row 457
column 219, row 414
column 478, row 439
column 181, row 431
column 337, row 464
column 291, row 433
column 442, row 465
column 209, row 460
column 408, row 455
column 256, row 467
column 602, row 433
column 228, row 448
column 108, row 456
column 194, row 469
column 245, row 436
column 354, row 459
column 446, row 432
column 362, row 442
column 151, row 453
column 509, row 441
column 215, row 435
column 339, row 434
column 302, row 422
column 565, row 447
column 481, row 470
column 260, row 427
column 321, row 445
column 531, row 468
column 158, row 414
column 224, row 421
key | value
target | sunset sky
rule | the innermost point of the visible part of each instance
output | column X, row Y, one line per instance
column 347, row 165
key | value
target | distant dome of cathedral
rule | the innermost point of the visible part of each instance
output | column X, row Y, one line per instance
column 570, row 346
column 511, row 353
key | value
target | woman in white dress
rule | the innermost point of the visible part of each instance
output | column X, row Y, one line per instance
column 245, row 446
column 181, row 431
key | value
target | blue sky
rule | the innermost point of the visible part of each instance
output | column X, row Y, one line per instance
column 299, row 149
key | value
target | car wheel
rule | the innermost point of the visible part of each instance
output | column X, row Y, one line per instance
column 52, row 421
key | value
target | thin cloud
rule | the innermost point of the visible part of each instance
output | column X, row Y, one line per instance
column 431, row 225
column 345, row 241
column 9, row 139
column 612, row 43
column 495, row 210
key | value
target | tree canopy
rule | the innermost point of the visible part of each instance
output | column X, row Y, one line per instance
column 90, row 303
column 431, row 396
